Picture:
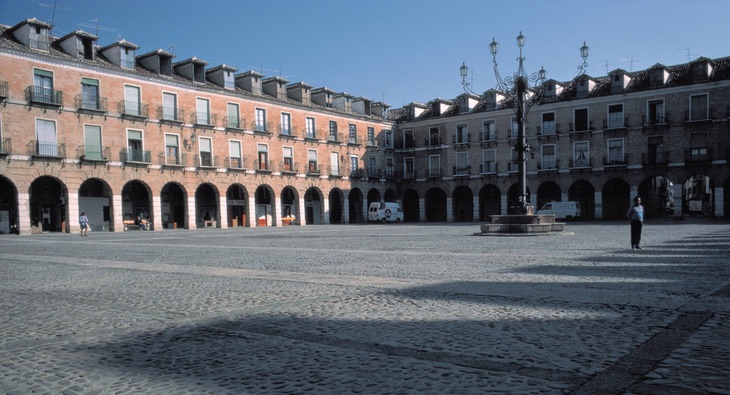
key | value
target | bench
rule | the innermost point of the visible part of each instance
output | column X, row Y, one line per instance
column 129, row 224
column 210, row 224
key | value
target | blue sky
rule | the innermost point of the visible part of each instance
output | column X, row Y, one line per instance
column 399, row 51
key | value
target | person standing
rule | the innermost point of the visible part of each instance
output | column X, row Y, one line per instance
column 84, row 223
column 636, row 215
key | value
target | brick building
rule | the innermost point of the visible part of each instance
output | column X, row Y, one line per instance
column 120, row 134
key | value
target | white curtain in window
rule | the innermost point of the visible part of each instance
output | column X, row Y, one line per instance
column 235, row 149
column 46, row 135
column 131, row 98
column 205, row 145
column 92, row 141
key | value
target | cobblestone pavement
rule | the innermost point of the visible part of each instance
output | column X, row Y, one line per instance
column 371, row 309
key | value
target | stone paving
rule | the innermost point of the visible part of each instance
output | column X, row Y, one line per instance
column 371, row 309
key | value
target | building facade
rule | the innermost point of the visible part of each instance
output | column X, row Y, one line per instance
column 121, row 135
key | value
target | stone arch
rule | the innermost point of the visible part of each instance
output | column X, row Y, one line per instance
column 48, row 204
column 435, row 205
column 513, row 198
column 313, row 210
column 583, row 192
column 462, row 203
column 207, row 210
column 237, row 202
column 290, row 204
column 173, row 204
column 336, row 198
column 698, row 194
column 657, row 196
column 548, row 192
column 9, row 221
column 355, row 205
column 137, row 201
column 373, row 196
column 265, row 207
column 389, row 196
column 411, row 206
column 95, row 198
column 616, row 199
column 490, row 202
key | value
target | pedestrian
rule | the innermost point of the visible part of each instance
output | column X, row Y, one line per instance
column 636, row 215
column 84, row 223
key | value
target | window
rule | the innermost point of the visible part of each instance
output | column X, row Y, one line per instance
column 371, row 136
column 206, row 152
column 333, row 131
column 462, row 134
column 408, row 169
column 489, row 131
column 263, row 154
column 47, row 143
column 514, row 163
column 698, row 107
column 389, row 166
column 312, row 158
column 580, row 120
column 514, row 130
column 581, row 156
column 372, row 167
column 172, row 149
column 132, row 100
column 202, row 107
column 548, row 157
column 134, row 146
column 334, row 164
column 615, row 116
column 43, row 86
column 408, row 139
column 388, row 134
column 655, row 112
column 354, row 164
column 352, row 138
column 655, row 150
column 260, row 120
column 616, row 152
column 288, row 153
column 489, row 161
column 698, row 147
column 548, row 124
column 92, row 142
column 90, row 94
column 233, row 119
column 235, row 159
column 169, row 106
column 434, row 138
column 127, row 59
column 285, row 123
column 311, row 131
column 462, row 163
column 434, row 166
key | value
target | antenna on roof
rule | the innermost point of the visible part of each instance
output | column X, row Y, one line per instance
column 171, row 48
column 97, row 27
column 631, row 62
column 689, row 54
column 607, row 66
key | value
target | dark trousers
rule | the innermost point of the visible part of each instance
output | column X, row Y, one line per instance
column 635, row 233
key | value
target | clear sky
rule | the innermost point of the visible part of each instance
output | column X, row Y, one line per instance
column 399, row 51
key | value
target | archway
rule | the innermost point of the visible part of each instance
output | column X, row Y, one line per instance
column 313, row 206
column 616, row 199
column 547, row 192
column 264, row 206
column 289, row 205
column 513, row 199
column 206, row 206
column 237, row 199
column 583, row 192
column 173, row 205
column 697, row 196
column 136, row 202
column 373, row 196
column 8, row 207
column 435, row 205
column 48, row 198
column 335, row 202
column 657, row 196
column 490, row 202
column 355, row 206
column 411, row 206
column 462, row 202
column 389, row 196
column 95, row 199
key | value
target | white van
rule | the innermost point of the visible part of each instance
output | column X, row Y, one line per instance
column 567, row 210
column 385, row 212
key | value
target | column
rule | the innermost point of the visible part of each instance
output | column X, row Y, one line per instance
column 678, row 200
column 301, row 214
column 598, row 199
column 719, row 197
column 326, row 210
column 72, row 222
column 223, row 212
column 505, row 204
column 422, row 209
column 476, row 209
column 346, row 210
column 24, row 213
column 192, row 220
column 157, row 223
column 449, row 210
column 252, row 219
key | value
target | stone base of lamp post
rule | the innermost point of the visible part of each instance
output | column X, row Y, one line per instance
column 522, row 223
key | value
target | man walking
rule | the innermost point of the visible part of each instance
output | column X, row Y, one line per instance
column 636, row 215
column 84, row 223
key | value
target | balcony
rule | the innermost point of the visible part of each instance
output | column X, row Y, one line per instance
column 133, row 110
column 92, row 105
column 286, row 132
column 172, row 160
column 407, row 175
column 659, row 158
column 6, row 148
column 236, row 163
column 170, row 115
column 461, row 171
column 313, row 170
column 46, row 149
column 489, row 136
column 371, row 143
column 203, row 120
column 353, row 140
column 333, row 137
column 698, row 155
column 513, row 166
column 131, row 155
column 261, row 128
column 580, row 163
column 233, row 124
column 357, row 173
column 548, row 129
column 547, row 165
column 44, row 96
column 616, row 126
column 93, row 153
column 264, row 166
column 435, row 172
column 311, row 134
column 3, row 90
column 288, row 167
column 488, row 168
column 373, row 173
column 205, row 160
column 616, row 161
column 334, row 172
column 464, row 139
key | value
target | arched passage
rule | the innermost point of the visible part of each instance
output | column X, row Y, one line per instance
column 583, row 192
column 8, row 207
column 435, row 205
column 411, row 210
column 490, row 202
column 373, row 196
column 48, row 204
column 389, row 196
column 616, row 199
column 547, row 192
column 313, row 206
column 173, row 205
column 657, row 196
column 697, row 196
column 206, row 206
column 237, row 201
column 95, row 198
column 264, row 198
column 513, row 199
column 335, row 205
column 136, row 202
column 289, row 204
column 355, row 204
column 462, row 202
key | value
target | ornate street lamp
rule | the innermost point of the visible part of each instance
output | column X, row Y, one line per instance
column 516, row 88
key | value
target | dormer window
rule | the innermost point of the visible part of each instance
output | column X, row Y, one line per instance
column 701, row 71
column 32, row 33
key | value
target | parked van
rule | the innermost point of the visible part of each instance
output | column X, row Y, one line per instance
column 567, row 210
column 385, row 212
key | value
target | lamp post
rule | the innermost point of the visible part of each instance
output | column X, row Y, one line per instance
column 517, row 89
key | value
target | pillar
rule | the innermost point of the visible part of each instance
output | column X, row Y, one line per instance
column 24, row 214
column 598, row 199
column 223, row 212
column 192, row 220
